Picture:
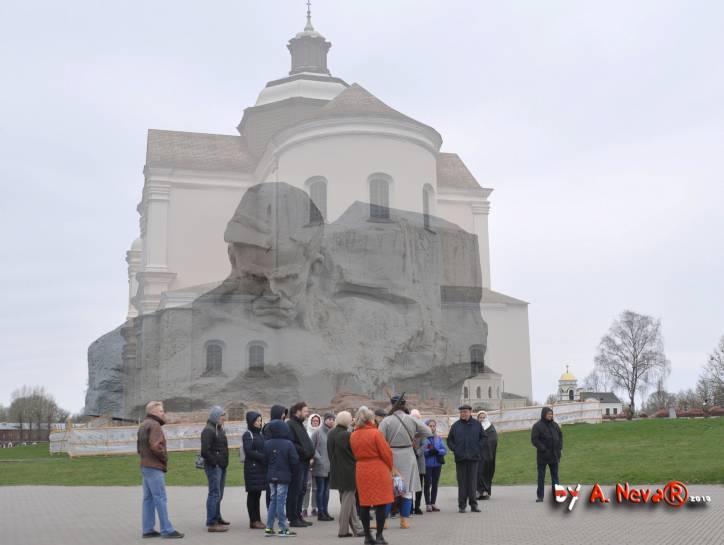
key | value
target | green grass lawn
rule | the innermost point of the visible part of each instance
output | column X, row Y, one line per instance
column 645, row 451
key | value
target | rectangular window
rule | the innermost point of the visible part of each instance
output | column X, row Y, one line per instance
column 608, row 411
column 615, row 410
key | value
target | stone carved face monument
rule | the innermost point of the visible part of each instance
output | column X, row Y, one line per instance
column 361, row 305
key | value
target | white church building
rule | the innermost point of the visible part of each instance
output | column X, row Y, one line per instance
column 338, row 142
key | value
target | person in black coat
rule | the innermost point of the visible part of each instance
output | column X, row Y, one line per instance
column 298, row 413
column 342, row 466
column 547, row 438
column 466, row 439
column 281, row 457
column 486, row 468
column 277, row 412
column 252, row 442
column 215, row 452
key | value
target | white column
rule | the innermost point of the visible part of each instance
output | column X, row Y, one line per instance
column 481, row 210
column 133, row 258
column 154, row 276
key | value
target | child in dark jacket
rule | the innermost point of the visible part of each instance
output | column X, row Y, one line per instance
column 281, row 456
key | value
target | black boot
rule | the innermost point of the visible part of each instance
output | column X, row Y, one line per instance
column 369, row 540
column 379, row 540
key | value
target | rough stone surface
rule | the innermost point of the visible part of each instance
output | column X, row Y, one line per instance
column 111, row 515
column 105, row 375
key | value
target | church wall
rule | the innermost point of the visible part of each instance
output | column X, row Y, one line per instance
column 347, row 161
column 196, row 224
column 508, row 351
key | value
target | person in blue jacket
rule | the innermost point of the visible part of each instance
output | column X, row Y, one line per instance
column 435, row 451
column 281, row 457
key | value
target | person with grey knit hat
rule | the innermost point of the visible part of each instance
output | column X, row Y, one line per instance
column 215, row 452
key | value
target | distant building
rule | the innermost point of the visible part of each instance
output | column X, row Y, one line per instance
column 484, row 391
column 568, row 390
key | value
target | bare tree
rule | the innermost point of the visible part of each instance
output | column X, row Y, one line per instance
column 35, row 407
column 714, row 376
column 19, row 410
column 551, row 399
column 3, row 413
column 632, row 353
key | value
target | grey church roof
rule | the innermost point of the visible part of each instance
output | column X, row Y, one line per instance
column 452, row 172
column 197, row 151
column 604, row 397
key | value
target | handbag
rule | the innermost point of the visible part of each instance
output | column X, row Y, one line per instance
column 200, row 462
column 398, row 486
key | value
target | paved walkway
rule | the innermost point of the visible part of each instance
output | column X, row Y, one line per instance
column 93, row 515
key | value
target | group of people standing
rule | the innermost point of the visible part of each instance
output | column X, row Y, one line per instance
column 380, row 462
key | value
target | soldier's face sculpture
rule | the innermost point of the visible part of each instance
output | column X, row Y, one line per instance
column 272, row 248
column 276, row 279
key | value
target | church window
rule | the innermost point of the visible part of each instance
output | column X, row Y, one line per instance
column 615, row 410
column 318, row 195
column 465, row 392
column 477, row 391
column 608, row 411
column 214, row 357
column 256, row 357
column 476, row 359
column 570, row 395
column 379, row 197
column 490, row 392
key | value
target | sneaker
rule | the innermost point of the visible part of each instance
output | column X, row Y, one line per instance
column 152, row 533
column 217, row 528
column 269, row 532
column 223, row 522
column 173, row 535
column 474, row 509
column 538, row 500
column 435, row 509
column 417, row 511
column 428, row 509
column 286, row 533
column 297, row 524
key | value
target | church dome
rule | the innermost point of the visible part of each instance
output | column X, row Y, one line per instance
column 567, row 375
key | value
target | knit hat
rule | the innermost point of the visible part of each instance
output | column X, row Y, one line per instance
column 216, row 413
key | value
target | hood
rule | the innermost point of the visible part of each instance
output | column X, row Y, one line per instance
column 311, row 428
column 276, row 412
column 251, row 416
column 278, row 429
column 215, row 413
column 544, row 411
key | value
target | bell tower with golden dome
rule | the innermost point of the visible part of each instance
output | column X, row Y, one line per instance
column 568, row 389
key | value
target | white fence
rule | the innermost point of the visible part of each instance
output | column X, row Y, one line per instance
column 122, row 440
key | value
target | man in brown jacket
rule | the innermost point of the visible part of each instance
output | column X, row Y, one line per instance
column 151, row 447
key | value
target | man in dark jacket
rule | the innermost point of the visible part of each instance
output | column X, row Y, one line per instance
column 342, row 474
column 215, row 452
column 279, row 413
column 252, row 443
column 547, row 438
column 305, row 451
column 151, row 447
column 281, row 457
column 466, row 439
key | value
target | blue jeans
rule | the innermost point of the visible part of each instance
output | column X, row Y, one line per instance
column 542, row 477
column 277, row 505
column 154, row 501
column 322, row 492
column 217, row 479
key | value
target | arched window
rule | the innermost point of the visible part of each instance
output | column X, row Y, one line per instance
column 490, row 392
column 427, row 195
column 256, row 358
column 570, row 395
column 465, row 392
column 477, row 353
column 479, row 395
column 214, row 358
column 318, row 195
column 379, row 197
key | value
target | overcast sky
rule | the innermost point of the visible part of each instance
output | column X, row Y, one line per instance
column 600, row 125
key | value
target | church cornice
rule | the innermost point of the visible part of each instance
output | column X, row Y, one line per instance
column 380, row 127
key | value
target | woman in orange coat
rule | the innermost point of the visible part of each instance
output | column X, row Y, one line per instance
column 373, row 473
